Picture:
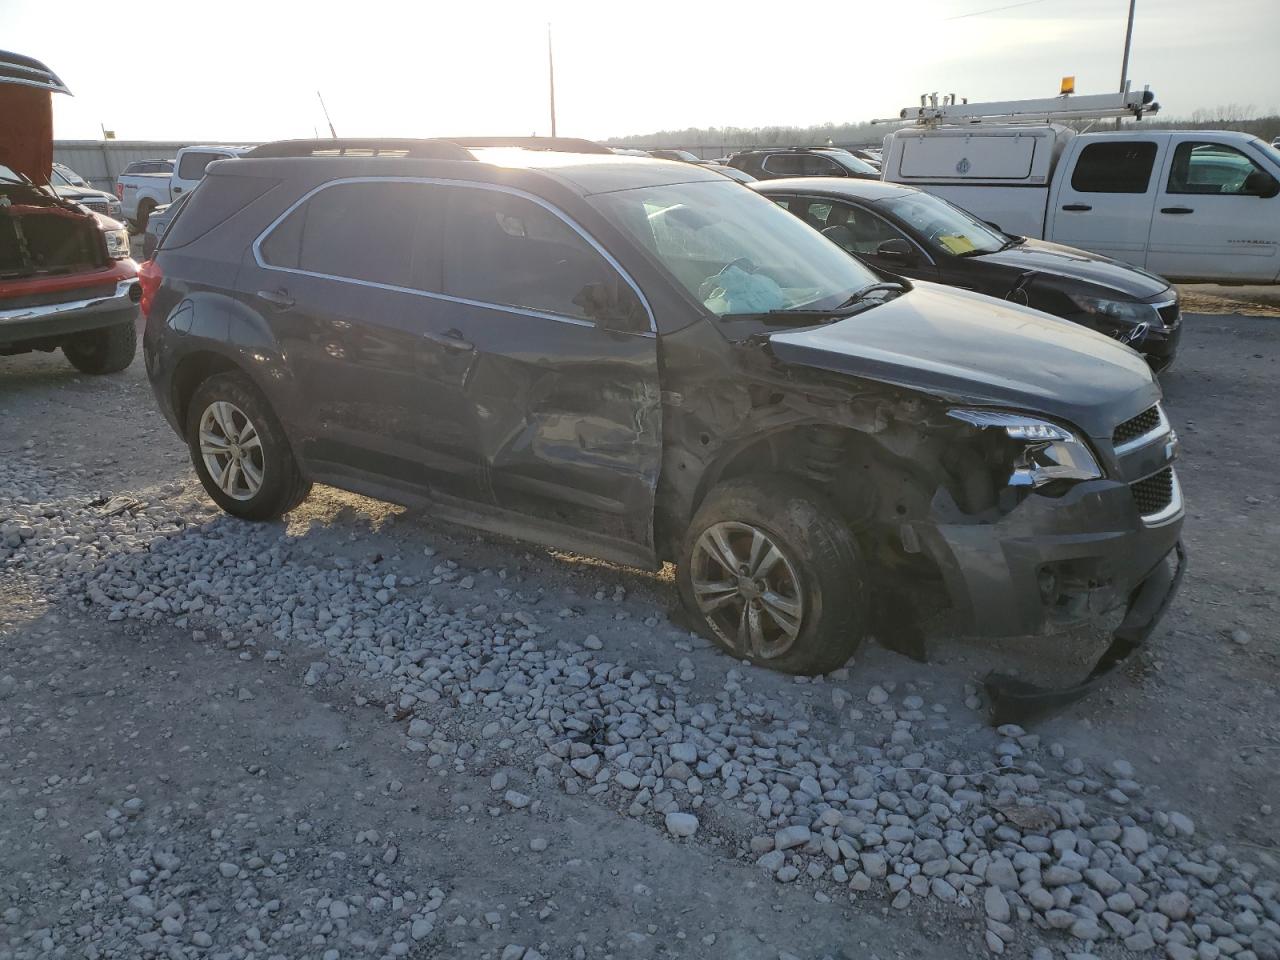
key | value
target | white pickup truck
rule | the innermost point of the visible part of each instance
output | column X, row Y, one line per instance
column 140, row 193
column 1188, row 205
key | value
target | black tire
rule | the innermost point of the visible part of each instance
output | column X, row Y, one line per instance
column 283, row 486
column 142, row 215
column 108, row 350
column 818, row 548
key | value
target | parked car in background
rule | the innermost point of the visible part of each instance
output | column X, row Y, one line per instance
column 158, row 222
column 684, row 155
column 1189, row 205
column 66, row 279
column 914, row 234
column 640, row 361
column 141, row 192
column 778, row 162
column 69, row 185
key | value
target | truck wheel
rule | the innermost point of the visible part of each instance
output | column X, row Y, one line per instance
column 239, row 450
column 108, row 350
column 771, row 573
column 143, row 215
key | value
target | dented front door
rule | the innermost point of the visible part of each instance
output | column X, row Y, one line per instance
column 563, row 408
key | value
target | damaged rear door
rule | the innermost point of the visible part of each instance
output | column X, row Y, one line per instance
column 560, row 378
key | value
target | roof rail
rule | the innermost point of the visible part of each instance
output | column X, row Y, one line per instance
column 555, row 144
column 932, row 113
column 362, row 147
column 29, row 72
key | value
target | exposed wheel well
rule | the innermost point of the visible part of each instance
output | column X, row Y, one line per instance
column 193, row 371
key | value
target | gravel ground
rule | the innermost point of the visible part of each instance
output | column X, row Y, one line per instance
column 363, row 734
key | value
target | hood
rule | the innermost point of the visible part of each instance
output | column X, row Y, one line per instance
column 76, row 194
column 1055, row 259
column 972, row 349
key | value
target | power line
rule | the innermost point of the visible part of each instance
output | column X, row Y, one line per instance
column 978, row 13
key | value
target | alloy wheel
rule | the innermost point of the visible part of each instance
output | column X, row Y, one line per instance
column 748, row 589
column 231, row 450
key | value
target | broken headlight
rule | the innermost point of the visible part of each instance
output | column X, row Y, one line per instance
column 1043, row 451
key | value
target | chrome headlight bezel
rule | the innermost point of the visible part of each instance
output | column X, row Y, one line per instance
column 1050, row 452
column 117, row 241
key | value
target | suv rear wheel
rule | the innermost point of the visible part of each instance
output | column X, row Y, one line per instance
column 108, row 350
column 773, row 575
column 240, row 452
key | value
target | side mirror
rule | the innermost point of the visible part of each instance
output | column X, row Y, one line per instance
column 896, row 249
column 1260, row 184
column 612, row 305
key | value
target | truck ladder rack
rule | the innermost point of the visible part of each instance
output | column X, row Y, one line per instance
column 931, row 113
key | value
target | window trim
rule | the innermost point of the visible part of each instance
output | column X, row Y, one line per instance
column 442, row 181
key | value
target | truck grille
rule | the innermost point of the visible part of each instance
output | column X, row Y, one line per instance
column 1154, row 494
column 1137, row 426
column 97, row 206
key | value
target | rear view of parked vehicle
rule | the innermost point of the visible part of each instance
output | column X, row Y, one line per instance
column 641, row 361
column 66, row 280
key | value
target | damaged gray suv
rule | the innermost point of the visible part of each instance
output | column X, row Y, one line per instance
column 641, row 361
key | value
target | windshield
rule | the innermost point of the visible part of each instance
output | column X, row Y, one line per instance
column 65, row 176
column 9, row 175
column 855, row 163
column 946, row 229
column 734, row 250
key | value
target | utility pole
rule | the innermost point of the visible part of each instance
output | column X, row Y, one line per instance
column 551, row 74
column 1124, row 64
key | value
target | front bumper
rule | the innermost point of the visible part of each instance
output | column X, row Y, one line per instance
column 1016, row 701
column 1053, row 564
column 76, row 314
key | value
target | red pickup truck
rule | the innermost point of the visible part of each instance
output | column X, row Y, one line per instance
column 66, row 279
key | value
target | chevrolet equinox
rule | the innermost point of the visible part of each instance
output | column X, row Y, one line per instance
column 642, row 361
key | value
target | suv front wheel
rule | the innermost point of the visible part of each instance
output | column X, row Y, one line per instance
column 773, row 575
column 240, row 452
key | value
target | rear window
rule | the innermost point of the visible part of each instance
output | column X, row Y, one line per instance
column 215, row 200
column 1122, row 166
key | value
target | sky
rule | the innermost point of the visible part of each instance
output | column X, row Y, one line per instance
column 238, row 70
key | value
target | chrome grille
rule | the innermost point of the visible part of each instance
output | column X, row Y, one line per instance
column 1138, row 426
column 1157, row 497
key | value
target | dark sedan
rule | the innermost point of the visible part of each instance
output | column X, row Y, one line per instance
column 915, row 234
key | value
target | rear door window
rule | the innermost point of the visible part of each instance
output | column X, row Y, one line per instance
column 505, row 249
column 192, row 165
column 358, row 231
column 785, row 164
column 1116, row 166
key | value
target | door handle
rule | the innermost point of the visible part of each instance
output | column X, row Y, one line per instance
column 1177, row 210
column 450, row 340
column 279, row 299
column 1080, row 207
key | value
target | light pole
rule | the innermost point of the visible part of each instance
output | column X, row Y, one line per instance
column 1124, row 64
column 551, row 74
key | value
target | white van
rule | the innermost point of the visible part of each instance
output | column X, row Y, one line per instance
column 1188, row 205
